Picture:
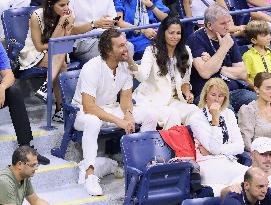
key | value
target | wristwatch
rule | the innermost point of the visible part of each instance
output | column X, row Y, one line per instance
column 92, row 25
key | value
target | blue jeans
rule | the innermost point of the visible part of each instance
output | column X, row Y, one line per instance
column 241, row 96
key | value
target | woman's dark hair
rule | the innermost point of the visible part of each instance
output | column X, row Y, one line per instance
column 260, row 77
column 50, row 20
column 105, row 42
column 180, row 52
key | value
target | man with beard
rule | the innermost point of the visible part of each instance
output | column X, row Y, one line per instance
column 15, row 183
column 100, row 80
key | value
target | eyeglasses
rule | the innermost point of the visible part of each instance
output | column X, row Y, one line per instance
column 34, row 166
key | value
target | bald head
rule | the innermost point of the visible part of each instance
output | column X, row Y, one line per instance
column 253, row 173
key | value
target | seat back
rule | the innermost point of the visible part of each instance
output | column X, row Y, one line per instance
column 16, row 25
column 239, row 19
column 68, row 81
column 203, row 201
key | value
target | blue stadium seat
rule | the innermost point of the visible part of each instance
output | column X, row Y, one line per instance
column 239, row 19
column 16, row 25
column 203, row 201
column 158, row 184
column 68, row 81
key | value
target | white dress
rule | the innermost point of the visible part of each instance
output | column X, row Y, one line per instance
column 29, row 56
column 219, row 169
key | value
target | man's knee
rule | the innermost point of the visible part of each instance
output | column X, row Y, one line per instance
column 92, row 122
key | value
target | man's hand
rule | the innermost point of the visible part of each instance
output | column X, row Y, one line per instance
column 127, row 125
column 205, row 56
column 147, row 3
column 105, row 22
column 150, row 33
column 215, row 110
column 226, row 41
column 129, row 117
column 2, row 96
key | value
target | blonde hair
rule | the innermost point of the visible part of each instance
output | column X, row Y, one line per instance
column 255, row 28
column 221, row 85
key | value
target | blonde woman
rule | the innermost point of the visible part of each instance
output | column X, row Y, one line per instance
column 218, row 136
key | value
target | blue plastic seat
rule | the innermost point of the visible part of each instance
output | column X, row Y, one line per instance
column 68, row 81
column 203, row 201
column 159, row 184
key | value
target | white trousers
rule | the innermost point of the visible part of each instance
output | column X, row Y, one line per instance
column 176, row 113
column 220, row 172
column 91, row 125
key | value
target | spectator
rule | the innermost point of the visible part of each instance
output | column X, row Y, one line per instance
column 195, row 8
column 260, row 15
column 10, row 96
column 261, row 158
column 225, row 61
column 255, row 118
column 15, row 183
column 90, row 16
column 258, row 57
column 100, row 80
column 164, row 74
column 10, row 4
column 140, row 13
column 254, row 190
column 215, row 128
column 53, row 20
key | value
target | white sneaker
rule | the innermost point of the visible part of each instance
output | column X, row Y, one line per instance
column 92, row 185
column 42, row 92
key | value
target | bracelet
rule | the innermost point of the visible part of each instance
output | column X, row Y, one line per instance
column 129, row 111
column 152, row 7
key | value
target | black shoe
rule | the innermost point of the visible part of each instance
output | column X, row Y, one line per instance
column 43, row 160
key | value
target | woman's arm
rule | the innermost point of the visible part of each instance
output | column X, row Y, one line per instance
column 156, row 11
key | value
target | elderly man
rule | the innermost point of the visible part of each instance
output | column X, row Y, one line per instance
column 261, row 158
column 15, row 183
column 100, row 80
column 216, row 54
column 254, row 190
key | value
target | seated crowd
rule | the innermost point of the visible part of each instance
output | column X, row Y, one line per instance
column 175, row 75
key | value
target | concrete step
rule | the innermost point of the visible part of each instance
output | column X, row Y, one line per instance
column 76, row 194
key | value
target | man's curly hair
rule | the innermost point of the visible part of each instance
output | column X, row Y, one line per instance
column 105, row 43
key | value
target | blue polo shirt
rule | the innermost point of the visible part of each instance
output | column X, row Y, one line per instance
column 199, row 43
column 140, row 42
column 233, row 198
column 4, row 60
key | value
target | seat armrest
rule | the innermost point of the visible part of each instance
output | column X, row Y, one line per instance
column 134, row 171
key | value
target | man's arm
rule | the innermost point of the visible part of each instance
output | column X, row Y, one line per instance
column 7, row 81
column 237, row 71
column 126, row 100
column 33, row 199
column 259, row 2
column 207, row 68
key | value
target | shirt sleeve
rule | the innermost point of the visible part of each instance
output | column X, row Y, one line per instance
column 119, row 5
column 248, row 63
column 29, row 188
column 111, row 11
column 8, row 190
column 210, row 137
column 89, row 80
column 147, row 62
column 186, row 78
column 161, row 6
column 246, row 121
column 235, row 144
column 195, row 45
column 4, row 60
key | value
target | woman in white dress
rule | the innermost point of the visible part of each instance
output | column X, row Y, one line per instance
column 164, row 74
column 218, row 137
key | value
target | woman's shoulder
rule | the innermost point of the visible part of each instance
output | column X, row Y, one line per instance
column 38, row 11
column 252, row 106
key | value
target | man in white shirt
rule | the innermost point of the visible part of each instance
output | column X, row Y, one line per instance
column 91, row 15
column 8, row 4
column 100, row 80
column 261, row 157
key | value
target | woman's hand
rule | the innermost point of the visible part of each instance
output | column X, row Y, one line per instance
column 150, row 33
column 215, row 110
column 70, row 25
column 189, row 97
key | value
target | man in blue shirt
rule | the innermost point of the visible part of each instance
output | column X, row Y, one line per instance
column 11, row 97
column 223, row 57
column 254, row 190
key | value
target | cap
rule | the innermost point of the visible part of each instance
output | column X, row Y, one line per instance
column 261, row 145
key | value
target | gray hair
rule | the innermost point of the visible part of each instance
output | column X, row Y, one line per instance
column 213, row 11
